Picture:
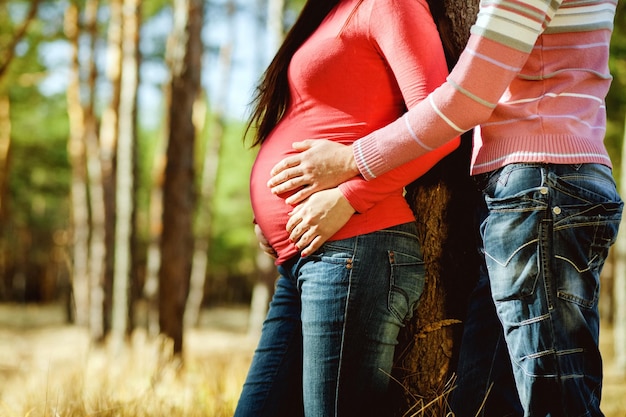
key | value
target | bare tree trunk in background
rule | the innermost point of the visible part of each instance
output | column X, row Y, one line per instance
column 153, row 262
column 97, row 248
column 178, row 188
column 76, row 152
column 619, row 282
column 275, row 25
column 444, row 201
column 108, row 149
column 203, row 220
column 209, row 176
column 5, row 147
column 136, row 266
column 124, row 169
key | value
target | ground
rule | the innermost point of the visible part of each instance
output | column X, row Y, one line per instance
column 34, row 341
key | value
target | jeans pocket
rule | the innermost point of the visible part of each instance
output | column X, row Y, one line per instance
column 581, row 247
column 406, row 284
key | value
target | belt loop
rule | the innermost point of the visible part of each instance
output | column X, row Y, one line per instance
column 544, row 176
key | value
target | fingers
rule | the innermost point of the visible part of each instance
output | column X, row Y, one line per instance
column 268, row 250
column 301, row 195
column 303, row 145
column 317, row 243
column 279, row 186
column 285, row 164
column 263, row 243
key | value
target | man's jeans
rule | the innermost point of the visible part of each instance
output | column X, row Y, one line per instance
column 533, row 320
column 328, row 341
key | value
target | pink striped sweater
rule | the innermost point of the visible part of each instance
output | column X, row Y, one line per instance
column 533, row 77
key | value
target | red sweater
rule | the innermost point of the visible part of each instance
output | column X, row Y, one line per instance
column 360, row 70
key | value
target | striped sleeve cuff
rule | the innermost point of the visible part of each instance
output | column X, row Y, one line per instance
column 367, row 157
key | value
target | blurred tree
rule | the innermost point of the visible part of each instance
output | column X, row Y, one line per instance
column 184, row 60
column 210, row 168
column 108, row 138
column 125, row 201
column 97, row 245
column 77, row 155
column 17, row 37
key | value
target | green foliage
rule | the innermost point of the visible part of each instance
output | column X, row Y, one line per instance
column 39, row 177
column 39, row 166
column 233, row 245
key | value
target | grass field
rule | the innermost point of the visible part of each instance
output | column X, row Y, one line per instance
column 48, row 369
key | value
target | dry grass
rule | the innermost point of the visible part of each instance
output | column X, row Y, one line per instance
column 50, row 370
column 53, row 371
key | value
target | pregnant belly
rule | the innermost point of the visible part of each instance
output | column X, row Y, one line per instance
column 270, row 211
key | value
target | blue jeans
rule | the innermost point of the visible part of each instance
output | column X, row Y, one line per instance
column 530, row 343
column 328, row 341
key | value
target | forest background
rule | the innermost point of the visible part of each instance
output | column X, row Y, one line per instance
column 123, row 170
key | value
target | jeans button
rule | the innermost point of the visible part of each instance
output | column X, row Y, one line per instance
column 556, row 210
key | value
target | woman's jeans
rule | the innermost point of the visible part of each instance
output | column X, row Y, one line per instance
column 328, row 341
column 530, row 344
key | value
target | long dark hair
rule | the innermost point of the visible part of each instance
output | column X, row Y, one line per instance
column 272, row 94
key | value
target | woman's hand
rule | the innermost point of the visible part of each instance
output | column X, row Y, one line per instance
column 317, row 219
column 321, row 164
column 263, row 243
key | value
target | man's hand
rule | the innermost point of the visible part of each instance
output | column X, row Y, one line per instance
column 321, row 164
column 317, row 219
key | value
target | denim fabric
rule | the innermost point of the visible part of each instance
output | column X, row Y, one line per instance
column 546, row 232
column 328, row 342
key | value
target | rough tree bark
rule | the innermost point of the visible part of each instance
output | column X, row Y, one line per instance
column 178, row 192
column 443, row 201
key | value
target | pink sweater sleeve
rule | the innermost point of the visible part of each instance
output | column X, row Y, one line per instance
column 493, row 57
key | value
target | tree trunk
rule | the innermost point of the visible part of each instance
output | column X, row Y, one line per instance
column 210, row 170
column 96, row 193
column 5, row 147
column 200, row 258
column 134, row 20
column 124, row 168
column 155, row 215
column 76, row 151
column 108, row 145
column 443, row 201
column 178, row 189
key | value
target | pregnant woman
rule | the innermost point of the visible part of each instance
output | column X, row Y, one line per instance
column 346, row 68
